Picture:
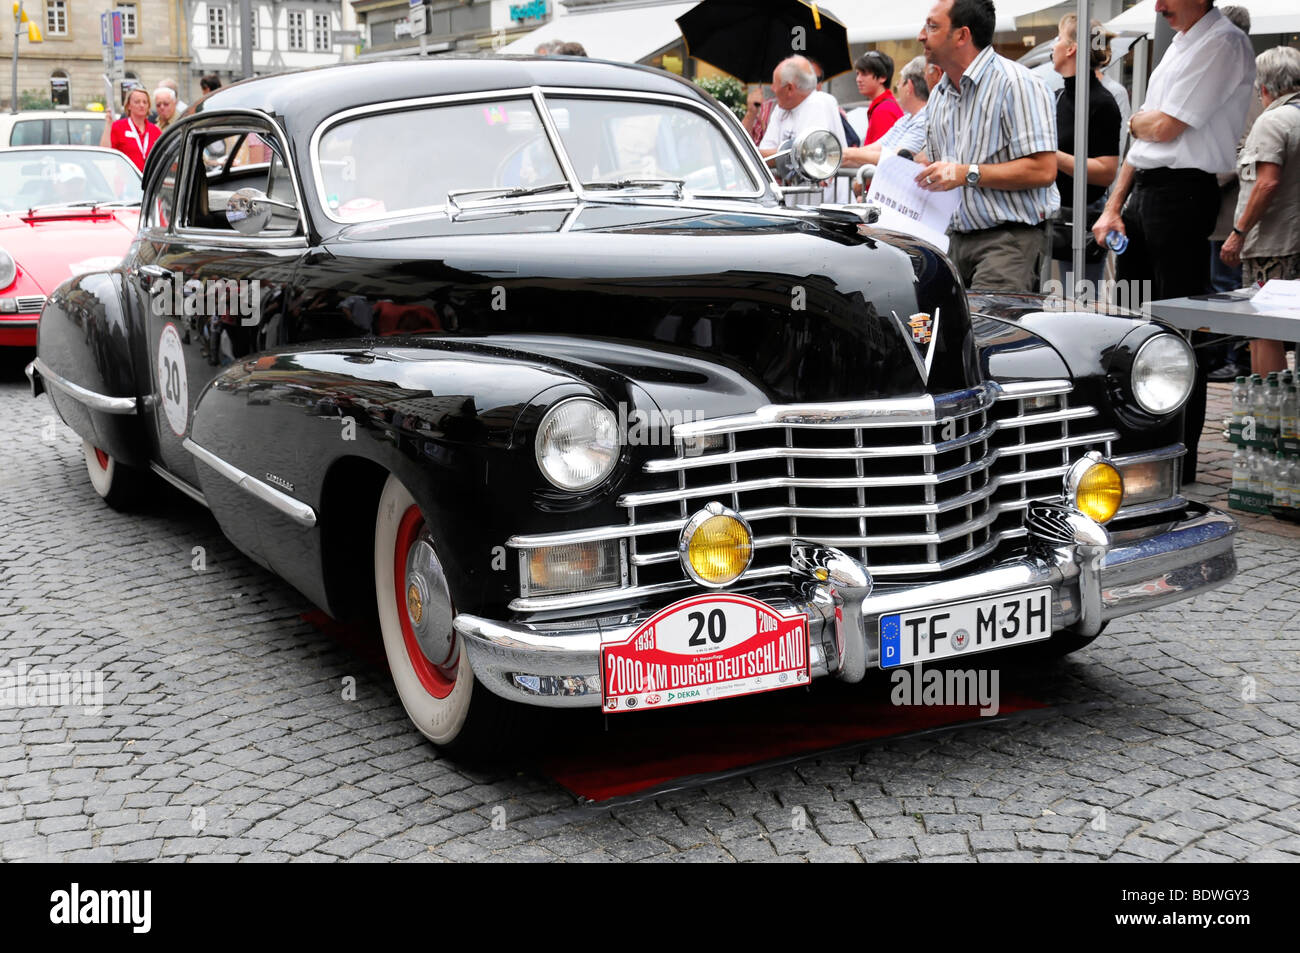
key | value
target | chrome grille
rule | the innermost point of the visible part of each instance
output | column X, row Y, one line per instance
column 911, row 488
column 30, row 304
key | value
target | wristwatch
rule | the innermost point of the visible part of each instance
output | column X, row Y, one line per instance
column 973, row 175
column 1237, row 231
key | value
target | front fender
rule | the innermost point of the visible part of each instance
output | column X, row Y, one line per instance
column 443, row 417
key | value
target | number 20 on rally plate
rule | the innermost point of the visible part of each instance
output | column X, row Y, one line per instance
column 701, row 649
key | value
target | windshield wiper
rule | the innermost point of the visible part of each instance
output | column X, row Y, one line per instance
column 677, row 185
column 488, row 194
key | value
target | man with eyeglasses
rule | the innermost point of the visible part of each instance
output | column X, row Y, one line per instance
column 991, row 131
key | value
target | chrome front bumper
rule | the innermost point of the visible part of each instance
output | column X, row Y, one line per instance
column 1094, row 575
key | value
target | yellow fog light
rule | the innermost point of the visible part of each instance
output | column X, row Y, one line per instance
column 716, row 546
column 1094, row 487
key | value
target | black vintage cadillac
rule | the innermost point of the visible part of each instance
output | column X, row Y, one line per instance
column 528, row 360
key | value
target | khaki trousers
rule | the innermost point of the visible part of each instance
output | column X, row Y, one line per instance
column 1006, row 258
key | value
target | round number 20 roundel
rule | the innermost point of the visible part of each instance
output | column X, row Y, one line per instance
column 173, row 390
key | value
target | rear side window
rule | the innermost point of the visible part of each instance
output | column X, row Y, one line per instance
column 29, row 132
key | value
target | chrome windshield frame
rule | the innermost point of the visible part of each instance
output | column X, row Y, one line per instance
column 538, row 96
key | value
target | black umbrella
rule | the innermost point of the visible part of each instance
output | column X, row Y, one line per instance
column 747, row 38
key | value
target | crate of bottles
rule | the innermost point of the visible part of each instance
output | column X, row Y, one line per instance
column 1265, row 427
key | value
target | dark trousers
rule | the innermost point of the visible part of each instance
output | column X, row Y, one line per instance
column 1169, row 217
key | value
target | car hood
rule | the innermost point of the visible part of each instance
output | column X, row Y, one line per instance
column 51, row 250
column 804, row 306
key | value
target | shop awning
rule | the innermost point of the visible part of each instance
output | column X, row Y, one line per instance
column 625, row 35
column 1266, row 16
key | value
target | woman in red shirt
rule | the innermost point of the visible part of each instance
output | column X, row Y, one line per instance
column 133, row 135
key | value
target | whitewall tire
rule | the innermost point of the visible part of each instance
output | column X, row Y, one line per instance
column 436, row 698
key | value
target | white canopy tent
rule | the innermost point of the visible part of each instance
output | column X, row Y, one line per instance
column 1266, row 16
column 629, row 34
column 625, row 35
column 872, row 22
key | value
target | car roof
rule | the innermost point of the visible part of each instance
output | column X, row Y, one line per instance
column 306, row 97
column 52, row 114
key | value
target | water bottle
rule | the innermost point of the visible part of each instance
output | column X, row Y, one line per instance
column 1272, row 407
column 1290, row 412
column 1257, row 396
column 1116, row 241
column 1241, row 470
column 1293, row 481
column 1252, row 470
column 1240, row 401
column 1281, row 489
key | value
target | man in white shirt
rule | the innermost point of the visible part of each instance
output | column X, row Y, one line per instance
column 801, row 107
column 1186, row 131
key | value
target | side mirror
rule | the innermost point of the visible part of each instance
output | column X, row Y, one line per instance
column 249, row 211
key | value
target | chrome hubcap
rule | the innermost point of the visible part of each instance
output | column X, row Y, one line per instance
column 428, row 606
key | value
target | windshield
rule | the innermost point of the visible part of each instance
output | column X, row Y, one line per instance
column 35, row 177
column 386, row 163
column 614, row 140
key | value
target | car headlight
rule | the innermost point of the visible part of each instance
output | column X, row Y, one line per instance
column 1163, row 373
column 577, row 443
column 8, row 270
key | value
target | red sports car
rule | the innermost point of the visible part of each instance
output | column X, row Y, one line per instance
column 64, row 210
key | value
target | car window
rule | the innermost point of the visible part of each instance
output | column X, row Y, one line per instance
column 224, row 163
column 162, row 199
column 84, row 132
column 613, row 139
column 39, row 177
column 28, row 132
column 398, row 161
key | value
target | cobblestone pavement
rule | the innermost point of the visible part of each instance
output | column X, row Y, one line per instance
column 225, row 734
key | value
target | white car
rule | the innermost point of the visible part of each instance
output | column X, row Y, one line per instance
column 46, row 127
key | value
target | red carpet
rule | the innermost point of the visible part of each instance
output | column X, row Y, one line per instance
column 648, row 755
column 647, row 749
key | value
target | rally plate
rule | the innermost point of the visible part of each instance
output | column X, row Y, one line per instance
column 702, row 649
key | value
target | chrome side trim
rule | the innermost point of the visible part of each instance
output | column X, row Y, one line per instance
column 192, row 492
column 294, row 509
column 92, row 399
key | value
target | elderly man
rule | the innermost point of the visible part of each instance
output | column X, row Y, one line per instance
column 914, row 85
column 1167, row 197
column 991, row 131
column 164, row 101
column 1265, row 237
column 800, row 107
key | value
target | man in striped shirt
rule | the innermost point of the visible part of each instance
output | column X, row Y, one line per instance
column 991, row 132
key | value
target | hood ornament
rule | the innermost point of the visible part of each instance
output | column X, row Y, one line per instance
column 923, row 330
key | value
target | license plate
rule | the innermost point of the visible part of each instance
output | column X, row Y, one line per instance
column 960, row 628
column 701, row 649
